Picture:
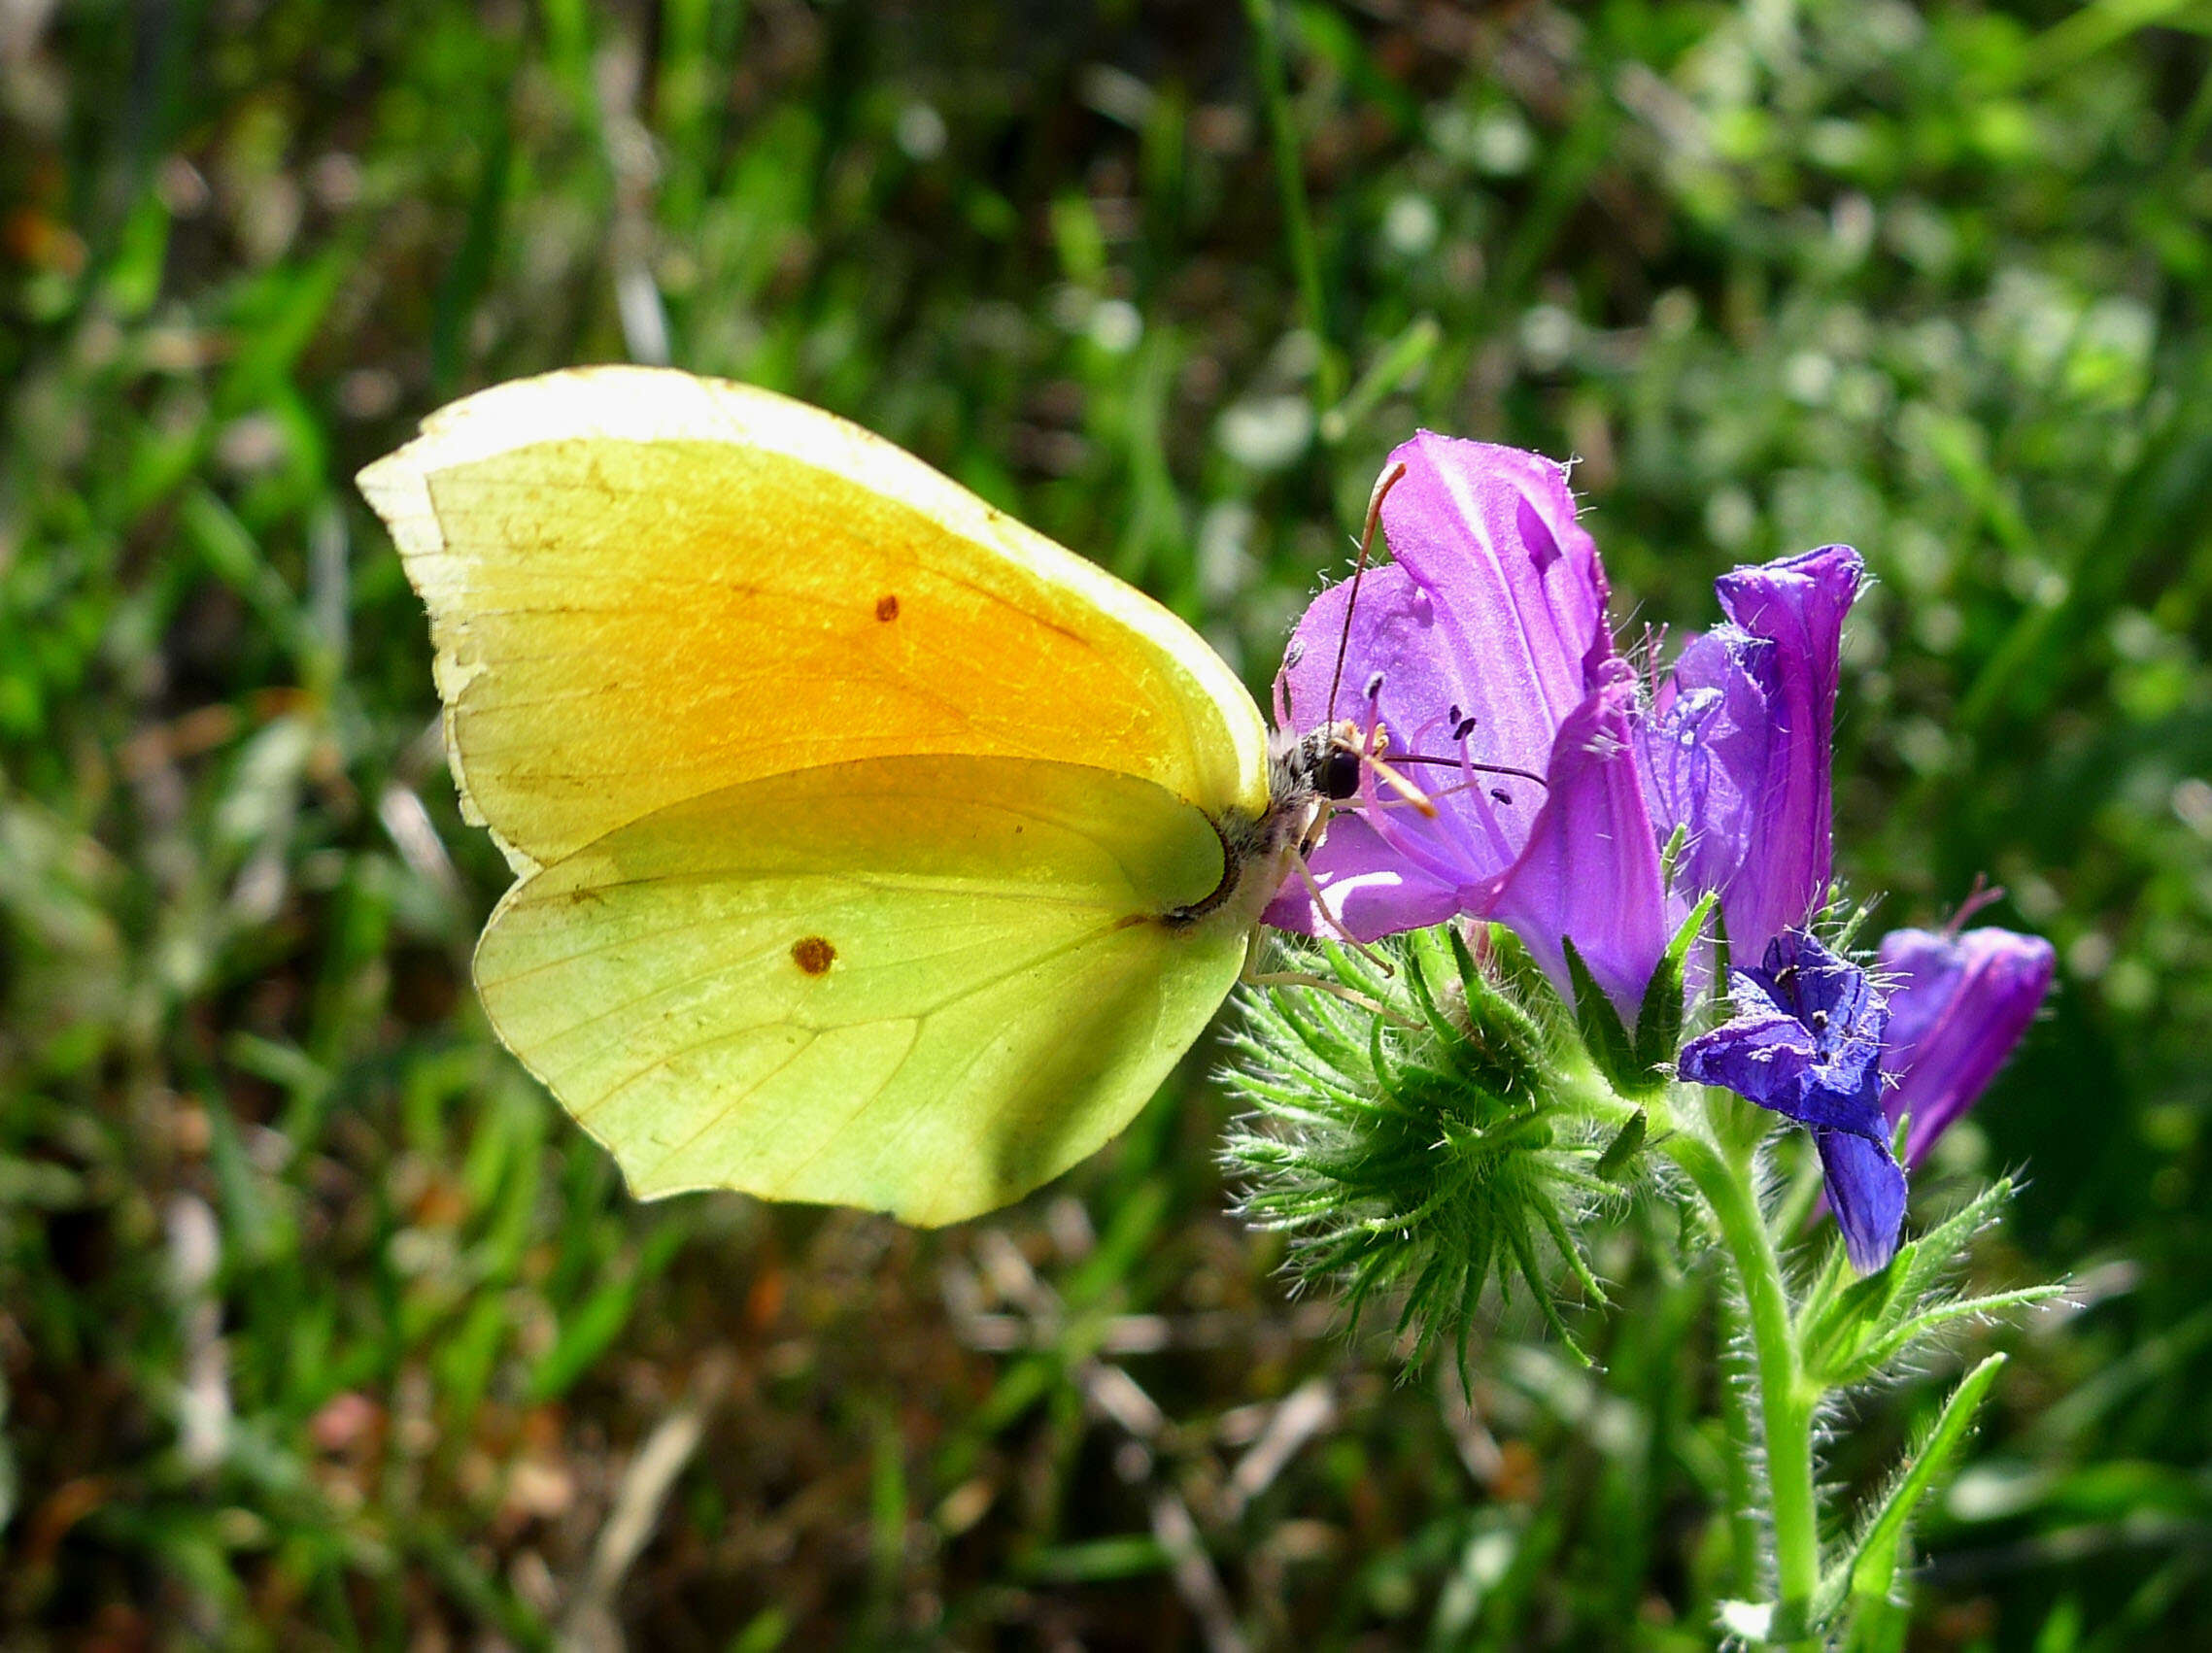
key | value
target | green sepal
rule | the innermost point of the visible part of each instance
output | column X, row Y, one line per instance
column 1421, row 962
column 1627, row 1144
column 1497, row 1024
column 1866, row 1571
column 1836, row 1320
column 1417, row 1156
column 1525, row 995
column 1604, row 1034
column 1854, row 1329
column 1670, row 853
column 1660, row 1019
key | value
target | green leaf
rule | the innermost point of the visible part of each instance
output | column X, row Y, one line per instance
column 1838, row 1323
column 1867, row 1571
column 1934, row 1318
column 1852, row 1331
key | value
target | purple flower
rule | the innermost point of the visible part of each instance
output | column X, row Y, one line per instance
column 1480, row 661
column 1958, row 1007
column 1472, row 645
column 1806, row 1040
column 1590, row 868
column 1478, row 665
column 1736, row 749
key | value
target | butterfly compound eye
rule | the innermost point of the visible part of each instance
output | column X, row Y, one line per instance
column 1338, row 777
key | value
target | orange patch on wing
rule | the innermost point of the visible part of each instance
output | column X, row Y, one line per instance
column 812, row 954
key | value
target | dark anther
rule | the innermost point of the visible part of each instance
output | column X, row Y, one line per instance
column 1464, row 727
column 1820, row 1021
column 1294, row 654
column 1375, row 685
column 1453, row 709
column 1500, row 794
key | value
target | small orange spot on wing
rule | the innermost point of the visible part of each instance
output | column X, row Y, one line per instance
column 813, row 954
column 887, row 607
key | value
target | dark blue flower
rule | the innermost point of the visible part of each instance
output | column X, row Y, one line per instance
column 1866, row 1190
column 1805, row 1040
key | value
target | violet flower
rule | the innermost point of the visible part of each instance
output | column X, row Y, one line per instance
column 1806, row 1040
column 1736, row 757
column 1736, row 750
column 1484, row 646
column 1959, row 1005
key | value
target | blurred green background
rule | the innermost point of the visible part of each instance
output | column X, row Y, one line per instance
column 320, row 1328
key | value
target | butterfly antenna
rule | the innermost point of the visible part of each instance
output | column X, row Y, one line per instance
column 1383, row 483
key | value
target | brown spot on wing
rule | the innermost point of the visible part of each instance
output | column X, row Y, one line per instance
column 887, row 607
column 813, row 954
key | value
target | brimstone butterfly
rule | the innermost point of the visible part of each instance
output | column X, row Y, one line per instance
column 874, row 849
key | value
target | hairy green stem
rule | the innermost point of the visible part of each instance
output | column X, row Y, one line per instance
column 1746, row 1533
column 1728, row 1184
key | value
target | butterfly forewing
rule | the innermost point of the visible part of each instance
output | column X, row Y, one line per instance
column 645, row 586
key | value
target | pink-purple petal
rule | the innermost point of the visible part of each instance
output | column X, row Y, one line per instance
column 1371, row 889
column 1704, row 747
column 1958, row 1007
column 1590, row 870
column 1492, row 532
column 1466, row 651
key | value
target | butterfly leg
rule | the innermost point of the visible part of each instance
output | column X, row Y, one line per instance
column 1409, row 793
column 1253, row 976
column 1321, row 906
column 1335, row 989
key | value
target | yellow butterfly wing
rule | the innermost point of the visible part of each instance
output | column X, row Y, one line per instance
column 919, row 985
column 645, row 586
column 854, row 816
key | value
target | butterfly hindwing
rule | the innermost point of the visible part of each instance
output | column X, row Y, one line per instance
column 919, row 985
